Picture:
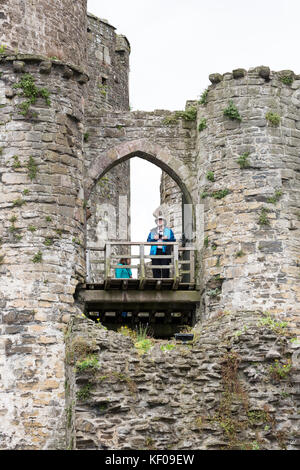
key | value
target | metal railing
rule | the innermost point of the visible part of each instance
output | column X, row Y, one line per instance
column 102, row 263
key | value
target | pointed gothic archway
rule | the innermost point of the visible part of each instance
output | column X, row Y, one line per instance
column 160, row 156
column 143, row 293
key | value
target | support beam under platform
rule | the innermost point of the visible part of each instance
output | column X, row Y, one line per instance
column 142, row 300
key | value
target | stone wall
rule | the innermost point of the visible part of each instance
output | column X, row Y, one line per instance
column 37, row 27
column 244, row 174
column 111, row 129
column 42, row 236
column 109, row 205
column 59, row 136
column 248, row 180
column 108, row 67
column 235, row 387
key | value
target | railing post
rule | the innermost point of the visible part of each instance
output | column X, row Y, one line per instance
column 88, row 266
column 176, row 266
column 192, row 266
column 107, row 264
column 142, row 266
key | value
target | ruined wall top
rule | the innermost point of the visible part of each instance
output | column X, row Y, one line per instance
column 108, row 67
column 55, row 29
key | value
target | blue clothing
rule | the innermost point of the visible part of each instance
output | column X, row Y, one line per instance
column 123, row 273
column 167, row 233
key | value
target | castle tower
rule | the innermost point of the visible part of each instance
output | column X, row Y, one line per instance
column 41, row 212
column 54, row 29
column 108, row 67
column 108, row 90
column 58, row 136
column 248, row 180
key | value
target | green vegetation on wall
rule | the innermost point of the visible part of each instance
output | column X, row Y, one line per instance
column 31, row 92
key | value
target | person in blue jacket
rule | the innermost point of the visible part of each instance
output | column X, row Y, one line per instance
column 123, row 273
column 157, row 234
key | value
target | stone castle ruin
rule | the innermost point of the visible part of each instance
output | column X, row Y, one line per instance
column 233, row 158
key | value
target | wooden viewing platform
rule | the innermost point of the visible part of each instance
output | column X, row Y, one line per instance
column 104, row 292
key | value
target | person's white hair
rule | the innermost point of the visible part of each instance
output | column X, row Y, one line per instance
column 160, row 213
column 161, row 218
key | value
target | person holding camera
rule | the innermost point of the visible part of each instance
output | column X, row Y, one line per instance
column 157, row 234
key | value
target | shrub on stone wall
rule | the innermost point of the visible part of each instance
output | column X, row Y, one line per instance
column 243, row 160
column 210, row 176
column 203, row 97
column 202, row 125
column 273, row 118
column 232, row 112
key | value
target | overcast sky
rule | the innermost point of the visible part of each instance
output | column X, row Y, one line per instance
column 176, row 44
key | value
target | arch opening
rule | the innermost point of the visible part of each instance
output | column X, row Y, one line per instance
column 146, row 156
column 162, row 322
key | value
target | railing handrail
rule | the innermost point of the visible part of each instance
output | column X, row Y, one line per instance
column 160, row 242
column 142, row 243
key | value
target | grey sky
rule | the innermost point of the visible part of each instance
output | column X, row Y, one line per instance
column 176, row 44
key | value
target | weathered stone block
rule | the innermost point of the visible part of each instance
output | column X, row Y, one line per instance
column 83, row 78
column 18, row 66
column 270, row 246
column 46, row 67
column 264, row 72
column 10, row 92
column 215, row 78
column 239, row 73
